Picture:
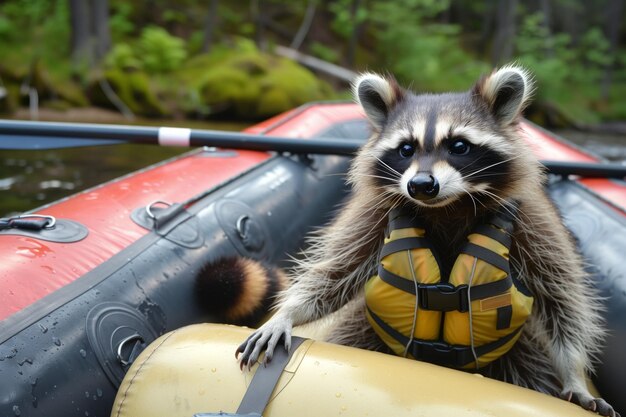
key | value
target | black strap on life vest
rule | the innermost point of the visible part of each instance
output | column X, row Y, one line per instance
column 445, row 296
column 403, row 244
column 486, row 255
column 439, row 352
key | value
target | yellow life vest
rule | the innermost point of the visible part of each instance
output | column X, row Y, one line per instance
column 466, row 321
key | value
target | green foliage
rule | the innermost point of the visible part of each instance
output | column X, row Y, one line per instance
column 123, row 57
column 195, row 42
column 120, row 22
column 324, row 52
column 421, row 52
column 6, row 28
column 567, row 74
column 160, row 52
column 343, row 22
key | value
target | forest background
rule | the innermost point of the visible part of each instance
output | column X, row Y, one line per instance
column 215, row 59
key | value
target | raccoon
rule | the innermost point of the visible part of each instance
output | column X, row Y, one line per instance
column 454, row 159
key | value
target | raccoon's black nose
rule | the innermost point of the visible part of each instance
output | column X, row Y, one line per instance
column 423, row 186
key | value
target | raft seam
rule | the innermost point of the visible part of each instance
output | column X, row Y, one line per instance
column 130, row 384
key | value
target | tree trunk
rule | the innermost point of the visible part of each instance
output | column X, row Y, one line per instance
column 571, row 17
column 209, row 26
column 354, row 36
column 101, row 32
column 80, row 37
column 257, row 17
column 614, row 20
column 487, row 25
column 505, row 31
column 546, row 10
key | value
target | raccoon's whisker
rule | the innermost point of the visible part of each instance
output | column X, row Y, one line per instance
column 391, row 170
column 378, row 176
column 494, row 174
column 473, row 202
column 490, row 166
column 502, row 203
column 392, row 198
column 472, row 163
column 473, row 199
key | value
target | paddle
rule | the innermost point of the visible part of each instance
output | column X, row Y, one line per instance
column 49, row 135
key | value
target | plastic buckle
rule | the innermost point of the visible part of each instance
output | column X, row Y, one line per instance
column 439, row 353
column 443, row 297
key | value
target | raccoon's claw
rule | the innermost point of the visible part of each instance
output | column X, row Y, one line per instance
column 587, row 402
column 265, row 338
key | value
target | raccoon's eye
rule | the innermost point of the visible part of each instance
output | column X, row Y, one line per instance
column 406, row 150
column 459, row 147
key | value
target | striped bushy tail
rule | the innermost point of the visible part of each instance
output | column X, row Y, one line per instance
column 239, row 290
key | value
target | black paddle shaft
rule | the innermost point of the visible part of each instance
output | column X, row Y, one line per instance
column 48, row 132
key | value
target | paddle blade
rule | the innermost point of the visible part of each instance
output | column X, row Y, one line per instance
column 15, row 142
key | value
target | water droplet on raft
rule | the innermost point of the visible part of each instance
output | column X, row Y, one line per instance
column 213, row 370
column 86, row 394
column 16, row 410
column 43, row 328
column 56, row 341
column 338, row 395
column 99, row 392
column 83, row 353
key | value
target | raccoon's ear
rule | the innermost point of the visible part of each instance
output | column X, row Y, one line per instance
column 377, row 96
column 506, row 91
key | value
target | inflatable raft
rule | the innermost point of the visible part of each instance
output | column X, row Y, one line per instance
column 192, row 371
column 81, row 298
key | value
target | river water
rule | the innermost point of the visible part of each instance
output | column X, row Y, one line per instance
column 29, row 179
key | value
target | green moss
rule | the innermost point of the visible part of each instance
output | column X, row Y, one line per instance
column 252, row 85
column 272, row 102
column 70, row 93
column 146, row 100
column 60, row 105
column 13, row 73
column 132, row 88
column 40, row 80
column 252, row 63
column 11, row 98
column 229, row 91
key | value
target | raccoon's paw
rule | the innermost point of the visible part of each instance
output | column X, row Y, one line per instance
column 265, row 338
column 586, row 401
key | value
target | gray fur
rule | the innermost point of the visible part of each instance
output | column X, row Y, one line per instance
column 559, row 342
